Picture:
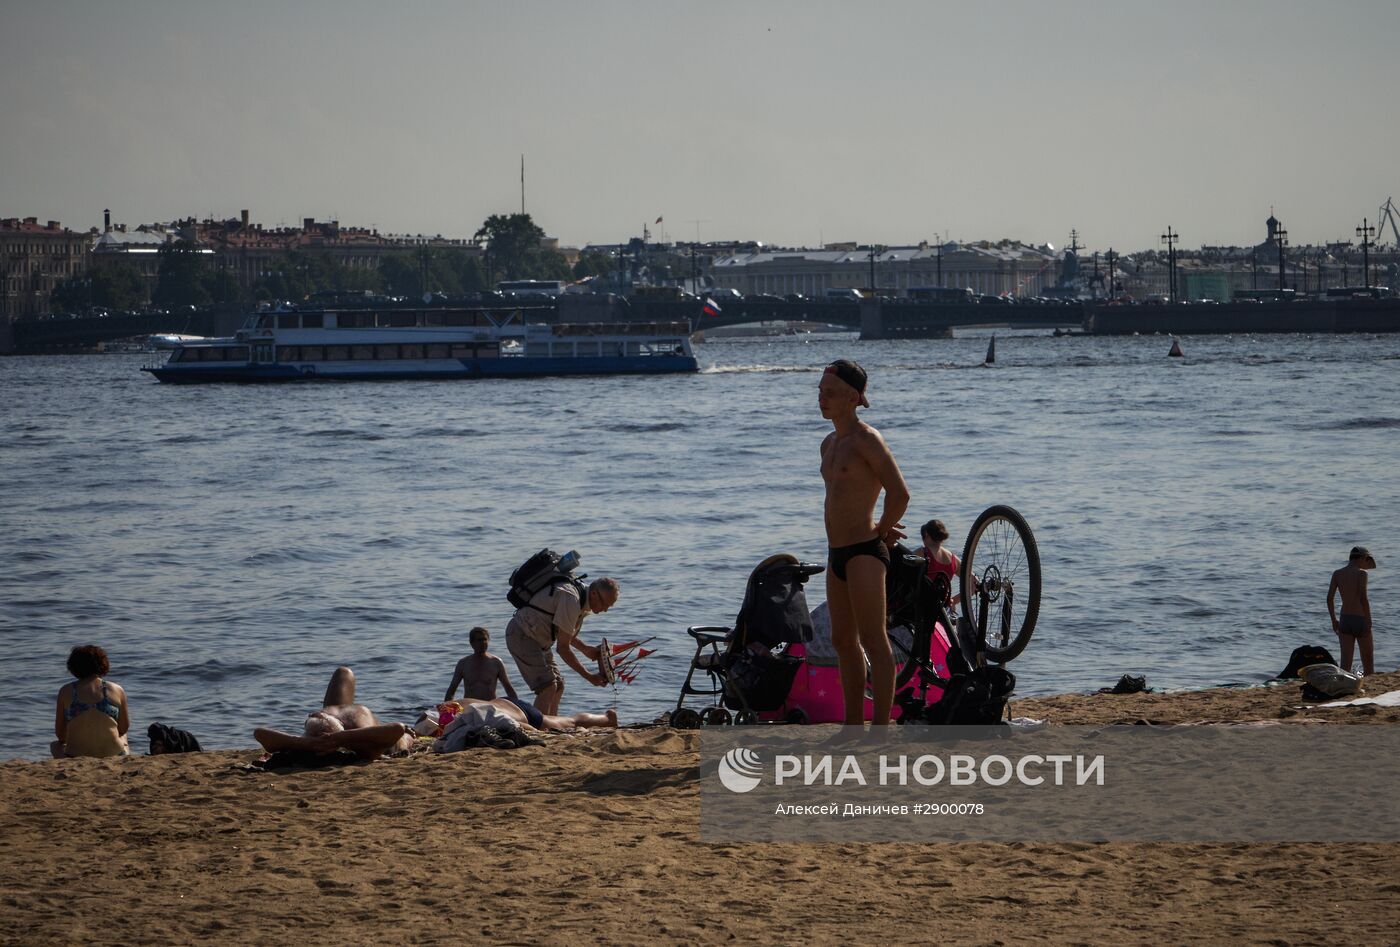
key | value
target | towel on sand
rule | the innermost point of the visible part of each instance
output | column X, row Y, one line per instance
column 1388, row 699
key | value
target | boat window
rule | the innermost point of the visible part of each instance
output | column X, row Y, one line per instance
column 289, row 320
column 312, row 353
column 236, row 354
column 386, row 351
column 438, row 350
column 634, row 348
column 312, row 320
column 433, row 318
column 461, row 350
column 458, row 318
column 493, row 350
column 288, row 353
column 337, row 353
column 413, row 351
column 360, row 352
column 355, row 320
column 588, row 348
column 398, row 320
column 211, row 355
column 565, row 349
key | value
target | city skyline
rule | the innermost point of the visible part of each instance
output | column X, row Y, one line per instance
column 791, row 124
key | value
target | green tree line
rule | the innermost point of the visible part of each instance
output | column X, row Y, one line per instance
column 511, row 245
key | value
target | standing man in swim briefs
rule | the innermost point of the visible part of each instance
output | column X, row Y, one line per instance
column 857, row 465
column 1354, row 626
column 549, row 623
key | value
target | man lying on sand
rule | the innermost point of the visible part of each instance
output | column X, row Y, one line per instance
column 530, row 718
column 504, row 724
column 341, row 724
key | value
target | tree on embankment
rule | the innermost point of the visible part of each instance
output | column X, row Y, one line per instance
column 514, row 250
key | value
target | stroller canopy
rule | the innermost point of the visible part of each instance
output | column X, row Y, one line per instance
column 775, row 608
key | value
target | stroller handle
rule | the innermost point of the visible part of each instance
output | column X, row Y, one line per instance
column 708, row 633
column 804, row 570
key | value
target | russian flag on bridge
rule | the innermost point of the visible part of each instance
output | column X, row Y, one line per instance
column 711, row 308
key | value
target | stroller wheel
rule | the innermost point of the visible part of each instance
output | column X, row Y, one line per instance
column 797, row 715
column 745, row 718
column 715, row 717
column 685, row 719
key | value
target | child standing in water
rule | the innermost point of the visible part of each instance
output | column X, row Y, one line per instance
column 1354, row 626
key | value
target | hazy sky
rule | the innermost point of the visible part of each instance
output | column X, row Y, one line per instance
column 786, row 122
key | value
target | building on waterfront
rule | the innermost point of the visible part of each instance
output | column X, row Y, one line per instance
column 1006, row 267
column 138, row 249
column 35, row 258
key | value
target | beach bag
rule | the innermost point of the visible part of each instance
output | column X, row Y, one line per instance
column 974, row 698
column 172, row 739
column 1305, row 656
column 542, row 570
column 1331, row 680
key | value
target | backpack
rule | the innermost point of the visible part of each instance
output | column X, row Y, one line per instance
column 545, row 569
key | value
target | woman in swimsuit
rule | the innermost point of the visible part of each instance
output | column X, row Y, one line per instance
column 940, row 561
column 91, row 718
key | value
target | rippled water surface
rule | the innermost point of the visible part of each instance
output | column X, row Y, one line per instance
column 230, row 545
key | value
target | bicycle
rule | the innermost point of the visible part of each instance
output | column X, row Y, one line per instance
column 999, row 582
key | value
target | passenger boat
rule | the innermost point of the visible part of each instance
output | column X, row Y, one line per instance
column 362, row 344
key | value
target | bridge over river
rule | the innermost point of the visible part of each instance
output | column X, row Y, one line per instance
column 873, row 318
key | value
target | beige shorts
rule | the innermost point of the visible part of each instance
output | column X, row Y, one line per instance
column 536, row 664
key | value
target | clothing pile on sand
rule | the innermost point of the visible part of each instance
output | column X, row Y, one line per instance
column 482, row 725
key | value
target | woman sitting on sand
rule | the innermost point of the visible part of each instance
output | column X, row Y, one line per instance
column 91, row 718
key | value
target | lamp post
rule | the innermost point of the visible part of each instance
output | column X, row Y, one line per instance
column 1282, row 236
column 1366, row 232
column 1170, row 239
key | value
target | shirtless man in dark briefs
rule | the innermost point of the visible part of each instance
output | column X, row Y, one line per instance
column 857, row 465
column 1353, row 627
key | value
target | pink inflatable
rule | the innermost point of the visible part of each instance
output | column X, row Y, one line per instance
column 815, row 696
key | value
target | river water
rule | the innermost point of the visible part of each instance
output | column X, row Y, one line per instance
column 230, row 545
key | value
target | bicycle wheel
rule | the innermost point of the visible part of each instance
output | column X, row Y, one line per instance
column 1001, row 581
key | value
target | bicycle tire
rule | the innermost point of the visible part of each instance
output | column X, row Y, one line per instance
column 905, row 663
column 1001, row 549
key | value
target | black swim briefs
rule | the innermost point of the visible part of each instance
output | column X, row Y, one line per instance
column 533, row 716
column 839, row 556
column 1353, row 625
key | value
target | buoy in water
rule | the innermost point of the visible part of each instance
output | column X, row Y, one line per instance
column 1176, row 350
column 991, row 352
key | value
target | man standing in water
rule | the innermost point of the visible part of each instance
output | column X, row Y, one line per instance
column 857, row 465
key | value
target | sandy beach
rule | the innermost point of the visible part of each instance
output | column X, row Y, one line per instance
column 594, row 838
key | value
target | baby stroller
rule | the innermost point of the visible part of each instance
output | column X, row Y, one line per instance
column 751, row 666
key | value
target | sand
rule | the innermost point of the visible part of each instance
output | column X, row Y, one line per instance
column 593, row 838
